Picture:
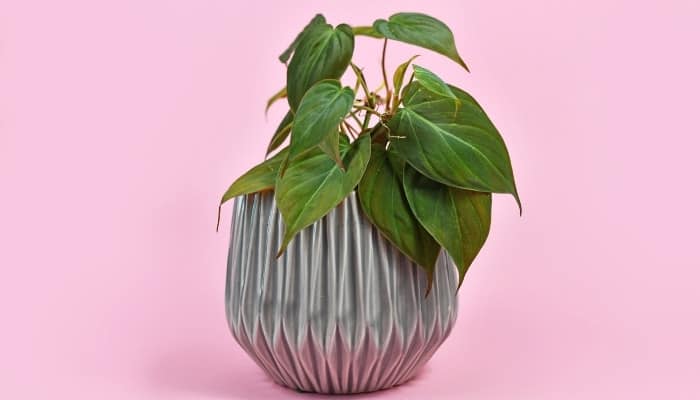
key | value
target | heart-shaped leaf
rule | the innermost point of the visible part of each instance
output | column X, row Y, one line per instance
column 318, row 19
column 458, row 219
column 384, row 203
column 281, row 133
column 420, row 30
column 314, row 184
column 320, row 112
column 322, row 53
column 453, row 144
column 259, row 178
column 433, row 82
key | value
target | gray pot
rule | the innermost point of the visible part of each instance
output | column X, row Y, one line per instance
column 342, row 310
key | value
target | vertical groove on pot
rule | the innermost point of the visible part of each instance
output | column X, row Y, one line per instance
column 342, row 310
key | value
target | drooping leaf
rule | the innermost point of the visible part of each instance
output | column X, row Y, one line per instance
column 383, row 201
column 259, row 178
column 400, row 73
column 318, row 19
column 314, row 184
column 366, row 31
column 281, row 133
column 322, row 53
column 420, row 30
column 331, row 146
column 277, row 96
column 432, row 82
column 458, row 219
column 459, row 147
column 321, row 110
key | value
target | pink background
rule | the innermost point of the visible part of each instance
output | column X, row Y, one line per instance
column 121, row 123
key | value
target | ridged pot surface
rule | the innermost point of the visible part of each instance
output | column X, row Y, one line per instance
column 342, row 310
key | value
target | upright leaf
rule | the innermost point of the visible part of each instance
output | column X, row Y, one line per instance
column 313, row 185
column 361, row 79
column 457, row 147
column 420, row 30
column 281, row 133
column 400, row 73
column 458, row 219
column 321, row 110
column 433, row 82
column 259, row 178
column 318, row 19
column 384, row 203
column 322, row 53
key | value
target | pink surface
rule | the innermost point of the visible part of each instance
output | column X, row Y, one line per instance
column 122, row 122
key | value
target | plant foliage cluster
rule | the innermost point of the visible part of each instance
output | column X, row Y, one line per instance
column 423, row 157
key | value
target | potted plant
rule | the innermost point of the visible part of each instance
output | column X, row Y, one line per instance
column 348, row 244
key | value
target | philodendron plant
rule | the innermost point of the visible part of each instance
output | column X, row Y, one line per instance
column 422, row 156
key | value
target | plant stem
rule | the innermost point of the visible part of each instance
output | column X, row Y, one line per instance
column 350, row 130
column 345, row 131
column 354, row 116
column 369, row 110
column 365, row 123
column 386, row 81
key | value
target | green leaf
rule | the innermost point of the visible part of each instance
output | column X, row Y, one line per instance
column 318, row 19
column 314, row 184
column 277, row 96
column 458, row 219
column 384, row 203
column 259, row 178
column 321, row 110
column 322, row 53
column 331, row 146
column 420, row 30
column 433, row 82
column 400, row 73
column 360, row 78
column 281, row 133
column 459, row 147
column 366, row 31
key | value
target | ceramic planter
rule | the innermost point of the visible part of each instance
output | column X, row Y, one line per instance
column 342, row 310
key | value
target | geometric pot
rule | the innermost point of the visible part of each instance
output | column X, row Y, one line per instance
column 341, row 310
